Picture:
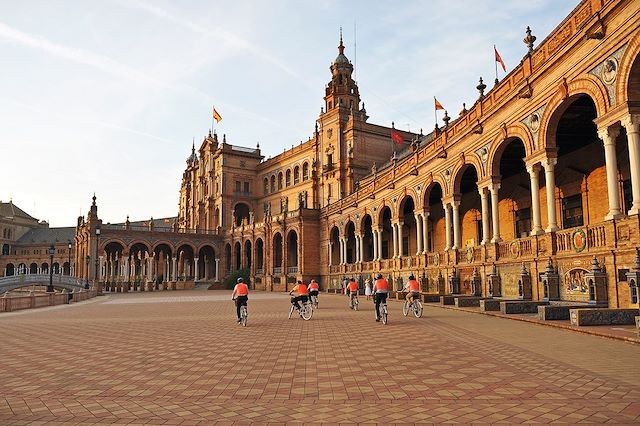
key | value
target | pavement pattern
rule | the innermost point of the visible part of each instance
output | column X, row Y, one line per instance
column 180, row 358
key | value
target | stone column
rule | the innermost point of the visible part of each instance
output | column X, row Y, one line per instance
column 217, row 269
column 533, row 170
column 100, row 265
column 419, row 238
column 425, row 231
column 374, row 241
column 361, row 255
column 549, row 165
column 343, row 251
column 150, row 268
column 632, row 124
column 484, row 201
column 400, row 246
column 379, row 243
column 174, row 269
column 457, row 231
column 126, row 273
column 495, row 213
column 330, row 246
column 447, row 224
column 196, row 268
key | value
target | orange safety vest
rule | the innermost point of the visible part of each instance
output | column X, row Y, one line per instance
column 242, row 289
column 353, row 286
column 414, row 285
column 302, row 290
column 382, row 285
column 314, row 286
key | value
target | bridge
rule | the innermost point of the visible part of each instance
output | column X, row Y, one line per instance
column 24, row 280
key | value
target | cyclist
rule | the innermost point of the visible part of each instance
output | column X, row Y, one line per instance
column 314, row 288
column 352, row 290
column 302, row 293
column 380, row 290
column 240, row 295
column 413, row 289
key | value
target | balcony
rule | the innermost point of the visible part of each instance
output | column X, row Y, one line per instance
column 292, row 270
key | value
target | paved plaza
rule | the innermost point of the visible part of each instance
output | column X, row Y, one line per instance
column 179, row 358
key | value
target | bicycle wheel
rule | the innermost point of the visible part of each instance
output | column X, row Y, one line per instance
column 355, row 304
column 306, row 312
column 417, row 309
column 383, row 314
column 243, row 316
column 405, row 308
column 291, row 311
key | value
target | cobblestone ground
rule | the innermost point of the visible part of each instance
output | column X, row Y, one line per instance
column 179, row 358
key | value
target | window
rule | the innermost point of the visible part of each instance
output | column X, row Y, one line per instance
column 273, row 183
column 305, row 171
column 522, row 222
column 238, row 186
column 572, row 211
column 279, row 180
column 634, row 292
column 288, row 178
column 296, row 175
column 329, row 165
column 627, row 195
column 246, row 188
column 266, row 186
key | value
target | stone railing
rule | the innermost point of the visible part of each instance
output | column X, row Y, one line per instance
column 334, row 269
column 581, row 238
column 33, row 300
column 277, row 269
column 292, row 270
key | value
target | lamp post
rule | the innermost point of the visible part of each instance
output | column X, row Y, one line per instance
column 51, row 252
column 69, row 247
column 86, row 281
column 97, row 271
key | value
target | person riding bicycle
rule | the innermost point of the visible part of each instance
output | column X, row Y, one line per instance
column 412, row 287
column 240, row 295
column 380, row 290
column 313, row 288
column 352, row 290
column 302, row 292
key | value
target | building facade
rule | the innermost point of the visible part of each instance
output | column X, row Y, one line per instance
column 531, row 192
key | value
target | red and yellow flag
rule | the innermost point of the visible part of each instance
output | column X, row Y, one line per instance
column 499, row 59
column 437, row 104
column 397, row 137
column 216, row 116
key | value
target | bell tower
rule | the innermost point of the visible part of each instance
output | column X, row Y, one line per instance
column 342, row 91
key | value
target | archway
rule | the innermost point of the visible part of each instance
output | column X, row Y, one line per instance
column 277, row 252
column 185, row 262
column 33, row 268
column 408, row 245
column 44, row 268
column 292, row 250
column 367, row 238
column 334, row 246
column 139, row 253
column 237, row 253
column 436, row 230
column 114, row 252
column 350, row 232
column 387, row 233
column 163, row 262
column 56, row 268
column 227, row 259
column 469, row 211
column 241, row 214
column 206, row 263
column 9, row 270
column 247, row 254
column 515, row 190
column 259, row 256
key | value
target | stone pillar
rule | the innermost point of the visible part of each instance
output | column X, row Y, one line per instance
column 400, row 245
column 535, row 199
column 597, row 282
column 379, row 243
column 343, row 252
column 484, row 201
column 126, row 273
column 608, row 136
column 101, row 262
column 196, row 268
column 447, row 224
column 550, row 283
column 494, row 283
column 217, row 269
column 174, row 269
column 495, row 212
column 419, row 238
column 330, row 246
column 549, row 165
column 524, row 284
column 150, row 268
column 457, row 231
column 361, row 248
column 394, row 238
column 425, row 232
column 454, row 282
column 375, row 244
column 632, row 124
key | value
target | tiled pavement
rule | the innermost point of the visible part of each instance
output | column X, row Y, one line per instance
column 179, row 358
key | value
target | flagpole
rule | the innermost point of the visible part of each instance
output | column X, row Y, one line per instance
column 212, row 118
column 435, row 111
column 495, row 61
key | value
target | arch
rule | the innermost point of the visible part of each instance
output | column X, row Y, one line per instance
column 366, row 229
column 159, row 243
column 348, row 223
column 33, row 268
column 9, row 270
column 386, row 235
column 138, row 245
column 241, row 212
column 163, row 258
column 407, row 219
column 265, row 184
column 182, row 243
column 516, row 130
column 186, row 266
column 287, row 178
column 296, row 174
column 206, row 262
column 624, row 75
column 459, row 171
column 305, row 171
column 110, row 241
column 259, row 255
column 280, row 181
column 292, row 249
column 227, row 257
column 237, row 254
column 22, row 269
column 277, row 250
column 350, row 236
column 334, row 245
column 273, row 183
column 6, row 249
column 248, row 258
column 56, row 268
column 499, row 150
column 403, row 203
column 558, row 104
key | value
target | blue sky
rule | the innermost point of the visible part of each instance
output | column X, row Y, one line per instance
column 106, row 96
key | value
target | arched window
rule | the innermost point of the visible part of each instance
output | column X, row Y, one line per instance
column 273, row 183
column 280, row 181
column 296, row 175
column 288, row 177
column 305, row 171
column 266, row 186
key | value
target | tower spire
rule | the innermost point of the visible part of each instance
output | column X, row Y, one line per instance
column 341, row 46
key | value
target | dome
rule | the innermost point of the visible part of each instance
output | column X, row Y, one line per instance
column 341, row 59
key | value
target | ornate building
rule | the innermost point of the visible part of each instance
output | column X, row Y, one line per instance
column 532, row 192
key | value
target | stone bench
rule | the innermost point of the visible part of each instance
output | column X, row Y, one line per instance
column 520, row 307
column 586, row 316
column 555, row 312
column 490, row 305
column 431, row 298
column 447, row 300
column 468, row 301
column 638, row 325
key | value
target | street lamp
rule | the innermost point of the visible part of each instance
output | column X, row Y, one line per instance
column 51, row 251
column 86, row 280
column 96, row 272
column 69, row 247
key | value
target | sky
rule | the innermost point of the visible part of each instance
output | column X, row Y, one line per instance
column 107, row 96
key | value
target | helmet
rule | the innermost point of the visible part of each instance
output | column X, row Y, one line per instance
column 313, row 281
column 411, row 277
column 240, row 280
column 378, row 276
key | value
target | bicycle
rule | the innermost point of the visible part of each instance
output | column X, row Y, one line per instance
column 384, row 313
column 353, row 302
column 415, row 307
column 243, row 315
column 306, row 311
column 314, row 302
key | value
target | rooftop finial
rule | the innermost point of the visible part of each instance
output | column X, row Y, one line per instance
column 94, row 199
column 341, row 46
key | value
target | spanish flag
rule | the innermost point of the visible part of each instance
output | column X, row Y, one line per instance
column 216, row 116
column 437, row 104
column 499, row 59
